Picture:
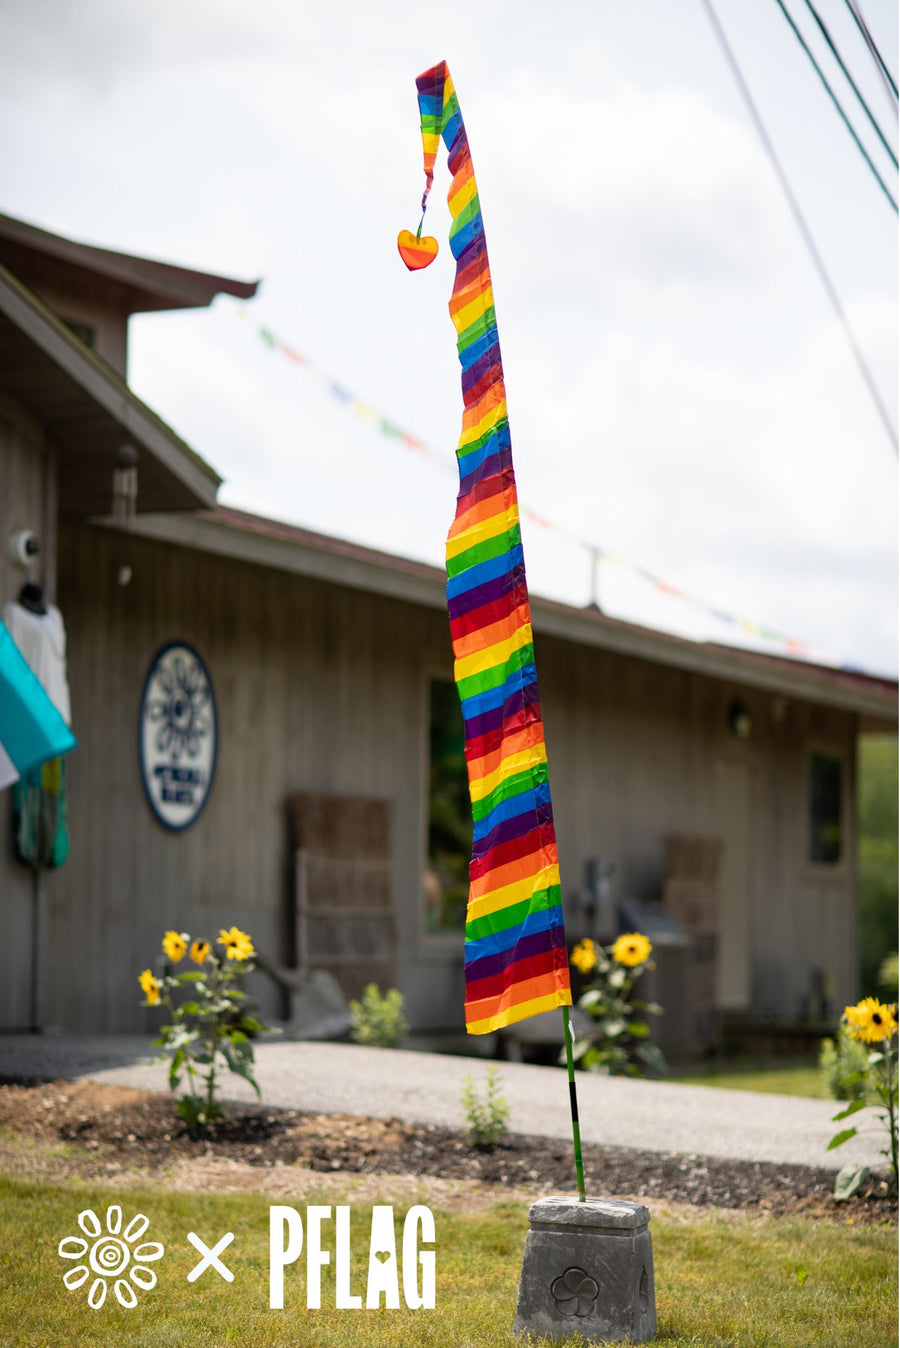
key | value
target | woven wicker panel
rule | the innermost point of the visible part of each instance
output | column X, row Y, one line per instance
column 334, row 883
column 346, row 828
column 692, row 858
column 345, row 889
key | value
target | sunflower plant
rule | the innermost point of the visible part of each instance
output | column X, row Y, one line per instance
column 210, row 1026
column 873, row 1023
column 618, row 1045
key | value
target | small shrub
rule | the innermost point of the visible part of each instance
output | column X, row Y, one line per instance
column 844, row 1061
column 378, row 1019
column 487, row 1117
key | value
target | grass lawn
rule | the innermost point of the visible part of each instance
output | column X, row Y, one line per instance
column 722, row 1279
column 793, row 1079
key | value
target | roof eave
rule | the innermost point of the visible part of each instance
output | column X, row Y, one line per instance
column 380, row 573
column 99, row 382
column 152, row 285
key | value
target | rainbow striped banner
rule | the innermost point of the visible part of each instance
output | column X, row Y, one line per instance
column 516, row 957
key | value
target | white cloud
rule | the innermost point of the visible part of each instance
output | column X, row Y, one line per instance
column 660, row 178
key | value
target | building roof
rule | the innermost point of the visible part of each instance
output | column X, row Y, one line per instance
column 141, row 284
column 287, row 547
column 89, row 411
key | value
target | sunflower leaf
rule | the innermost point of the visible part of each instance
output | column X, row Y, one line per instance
column 840, row 1138
column 853, row 1108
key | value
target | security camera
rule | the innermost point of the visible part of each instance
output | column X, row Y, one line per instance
column 24, row 547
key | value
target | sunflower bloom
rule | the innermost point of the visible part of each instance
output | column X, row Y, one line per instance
column 174, row 945
column 200, row 951
column 631, row 950
column 150, row 987
column 584, row 955
column 237, row 943
column 871, row 1021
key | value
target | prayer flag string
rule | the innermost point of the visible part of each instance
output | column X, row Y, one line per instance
column 393, row 430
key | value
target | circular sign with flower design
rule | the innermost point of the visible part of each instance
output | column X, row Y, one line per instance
column 178, row 735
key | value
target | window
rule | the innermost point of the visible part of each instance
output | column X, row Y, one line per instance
column 825, row 792
column 449, row 813
column 83, row 331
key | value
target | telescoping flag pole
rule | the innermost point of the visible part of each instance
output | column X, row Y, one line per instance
column 516, row 957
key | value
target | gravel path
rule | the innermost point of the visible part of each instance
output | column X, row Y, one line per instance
column 427, row 1087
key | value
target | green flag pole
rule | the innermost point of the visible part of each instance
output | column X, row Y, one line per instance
column 573, row 1103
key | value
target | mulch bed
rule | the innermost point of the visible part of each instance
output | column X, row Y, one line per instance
column 113, row 1123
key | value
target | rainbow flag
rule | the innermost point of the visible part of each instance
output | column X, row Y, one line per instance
column 516, row 958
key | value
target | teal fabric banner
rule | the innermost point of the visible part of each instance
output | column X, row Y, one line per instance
column 32, row 731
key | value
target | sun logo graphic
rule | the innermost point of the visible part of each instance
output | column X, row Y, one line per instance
column 111, row 1255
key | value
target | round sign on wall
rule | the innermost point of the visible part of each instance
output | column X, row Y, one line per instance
column 178, row 735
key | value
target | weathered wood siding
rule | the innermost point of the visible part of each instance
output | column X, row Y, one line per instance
column 318, row 688
column 322, row 688
column 634, row 750
column 27, row 501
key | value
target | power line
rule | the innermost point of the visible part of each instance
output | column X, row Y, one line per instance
column 834, row 98
column 801, row 222
column 850, row 80
column 875, row 53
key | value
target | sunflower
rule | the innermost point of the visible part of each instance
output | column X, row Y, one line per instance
column 150, row 987
column 584, row 955
column 200, row 951
column 632, row 949
column 871, row 1021
column 174, row 945
column 237, row 943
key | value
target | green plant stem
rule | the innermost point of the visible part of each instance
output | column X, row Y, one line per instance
column 188, row 1066
column 892, row 1108
column 211, row 1078
column 213, row 1041
column 573, row 1102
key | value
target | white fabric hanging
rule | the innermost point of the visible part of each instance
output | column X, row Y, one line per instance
column 8, row 771
column 41, row 637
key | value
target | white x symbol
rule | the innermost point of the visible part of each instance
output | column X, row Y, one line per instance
column 210, row 1257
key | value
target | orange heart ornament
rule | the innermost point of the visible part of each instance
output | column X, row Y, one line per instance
column 416, row 252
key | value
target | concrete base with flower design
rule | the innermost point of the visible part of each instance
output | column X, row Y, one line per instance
column 587, row 1269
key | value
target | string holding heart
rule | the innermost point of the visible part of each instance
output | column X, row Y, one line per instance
column 418, row 252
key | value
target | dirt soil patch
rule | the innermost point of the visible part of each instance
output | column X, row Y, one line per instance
column 86, row 1130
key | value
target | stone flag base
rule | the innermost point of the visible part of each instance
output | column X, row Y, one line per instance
column 588, row 1269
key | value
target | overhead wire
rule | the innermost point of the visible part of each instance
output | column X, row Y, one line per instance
column 836, row 101
column 800, row 219
column 850, row 80
column 873, row 50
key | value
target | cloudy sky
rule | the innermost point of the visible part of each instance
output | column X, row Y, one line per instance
column 682, row 395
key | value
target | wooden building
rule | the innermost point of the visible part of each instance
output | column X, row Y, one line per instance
column 717, row 780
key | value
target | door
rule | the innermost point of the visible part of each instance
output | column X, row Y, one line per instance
column 734, row 799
